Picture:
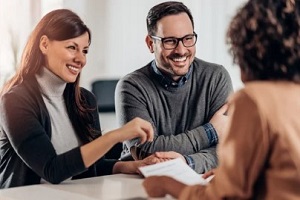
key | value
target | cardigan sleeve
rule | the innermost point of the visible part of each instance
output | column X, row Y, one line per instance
column 24, row 126
column 102, row 166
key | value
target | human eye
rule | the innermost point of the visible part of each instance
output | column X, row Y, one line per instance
column 71, row 47
column 170, row 41
column 85, row 51
column 189, row 38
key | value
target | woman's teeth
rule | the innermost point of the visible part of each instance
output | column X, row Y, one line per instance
column 73, row 68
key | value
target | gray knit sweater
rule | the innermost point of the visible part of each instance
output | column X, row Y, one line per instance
column 177, row 113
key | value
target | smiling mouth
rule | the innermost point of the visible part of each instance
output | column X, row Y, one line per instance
column 73, row 69
column 179, row 59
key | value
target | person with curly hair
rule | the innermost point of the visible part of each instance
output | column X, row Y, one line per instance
column 259, row 153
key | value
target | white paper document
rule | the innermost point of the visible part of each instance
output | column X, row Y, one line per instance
column 176, row 169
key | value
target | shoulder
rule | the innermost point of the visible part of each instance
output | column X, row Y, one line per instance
column 22, row 100
column 247, row 92
column 256, row 93
column 257, row 89
column 204, row 64
column 213, row 74
column 138, row 78
column 263, row 90
column 213, row 69
column 23, row 93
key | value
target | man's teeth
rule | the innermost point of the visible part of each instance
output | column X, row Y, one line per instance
column 73, row 68
column 181, row 59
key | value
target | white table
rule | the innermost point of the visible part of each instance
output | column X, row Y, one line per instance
column 119, row 186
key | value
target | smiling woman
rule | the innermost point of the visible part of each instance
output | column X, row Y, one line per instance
column 49, row 126
column 66, row 58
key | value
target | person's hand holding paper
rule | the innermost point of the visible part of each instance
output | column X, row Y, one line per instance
column 173, row 176
column 176, row 169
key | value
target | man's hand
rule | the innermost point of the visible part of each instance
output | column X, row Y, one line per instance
column 168, row 155
column 157, row 157
column 220, row 120
column 150, row 160
column 132, row 167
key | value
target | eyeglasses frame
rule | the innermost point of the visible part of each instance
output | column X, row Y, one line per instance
column 178, row 40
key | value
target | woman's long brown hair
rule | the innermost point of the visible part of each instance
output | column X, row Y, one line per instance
column 59, row 25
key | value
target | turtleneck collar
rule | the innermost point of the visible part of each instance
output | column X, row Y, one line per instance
column 50, row 84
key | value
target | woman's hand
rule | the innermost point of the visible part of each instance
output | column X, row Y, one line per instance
column 154, row 187
column 160, row 186
column 136, row 128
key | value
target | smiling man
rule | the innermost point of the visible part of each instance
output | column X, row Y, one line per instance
column 182, row 96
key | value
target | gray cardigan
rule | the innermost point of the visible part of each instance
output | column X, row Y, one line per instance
column 26, row 151
column 177, row 113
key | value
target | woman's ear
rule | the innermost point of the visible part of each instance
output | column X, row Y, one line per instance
column 149, row 42
column 44, row 42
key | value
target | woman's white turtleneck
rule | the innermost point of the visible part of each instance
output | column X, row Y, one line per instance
column 52, row 88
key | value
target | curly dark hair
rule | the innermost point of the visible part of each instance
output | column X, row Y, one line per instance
column 264, row 38
column 165, row 9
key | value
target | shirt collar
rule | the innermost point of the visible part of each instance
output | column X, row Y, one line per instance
column 167, row 81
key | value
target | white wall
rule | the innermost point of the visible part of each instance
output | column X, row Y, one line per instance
column 17, row 17
column 118, row 33
column 119, row 30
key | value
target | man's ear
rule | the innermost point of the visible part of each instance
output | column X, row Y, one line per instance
column 149, row 42
column 44, row 43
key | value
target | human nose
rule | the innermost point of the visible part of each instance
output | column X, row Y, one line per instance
column 180, row 47
column 80, row 58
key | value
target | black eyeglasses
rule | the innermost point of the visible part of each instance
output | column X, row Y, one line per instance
column 170, row 43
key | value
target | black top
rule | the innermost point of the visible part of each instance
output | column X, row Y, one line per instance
column 26, row 151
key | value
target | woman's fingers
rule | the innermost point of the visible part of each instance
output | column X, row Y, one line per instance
column 145, row 130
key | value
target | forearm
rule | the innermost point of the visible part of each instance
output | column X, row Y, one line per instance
column 96, row 149
column 126, row 167
column 187, row 143
column 205, row 160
